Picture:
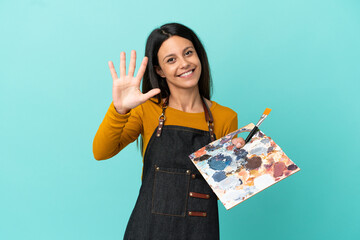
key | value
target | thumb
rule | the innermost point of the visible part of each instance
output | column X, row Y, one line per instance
column 151, row 93
column 238, row 142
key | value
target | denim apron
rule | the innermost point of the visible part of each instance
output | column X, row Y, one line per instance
column 174, row 202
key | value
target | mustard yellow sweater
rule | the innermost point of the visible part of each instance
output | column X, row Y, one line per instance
column 118, row 130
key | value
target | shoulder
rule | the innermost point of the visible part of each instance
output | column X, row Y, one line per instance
column 151, row 103
column 222, row 111
column 148, row 108
column 225, row 119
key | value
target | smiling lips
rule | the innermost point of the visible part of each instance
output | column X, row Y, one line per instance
column 187, row 74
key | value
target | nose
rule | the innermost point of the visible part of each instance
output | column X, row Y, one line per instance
column 184, row 63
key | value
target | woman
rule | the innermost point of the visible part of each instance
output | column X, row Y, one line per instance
column 175, row 117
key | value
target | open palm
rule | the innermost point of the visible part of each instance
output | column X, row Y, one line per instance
column 126, row 89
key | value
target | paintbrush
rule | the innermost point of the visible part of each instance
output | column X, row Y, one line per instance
column 256, row 128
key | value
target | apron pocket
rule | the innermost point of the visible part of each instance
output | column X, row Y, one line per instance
column 170, row 191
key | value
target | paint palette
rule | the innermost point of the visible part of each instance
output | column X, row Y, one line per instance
column 236, row 174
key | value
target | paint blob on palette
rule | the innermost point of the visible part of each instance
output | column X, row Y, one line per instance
column 236, row 174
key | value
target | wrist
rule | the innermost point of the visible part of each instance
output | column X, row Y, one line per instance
column 121, row 110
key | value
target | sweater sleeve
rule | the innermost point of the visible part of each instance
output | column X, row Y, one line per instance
column 233, row 125
column 116, row 131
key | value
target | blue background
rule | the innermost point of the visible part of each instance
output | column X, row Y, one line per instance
column 300, row 58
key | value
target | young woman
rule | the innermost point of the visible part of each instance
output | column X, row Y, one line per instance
column 175, row 117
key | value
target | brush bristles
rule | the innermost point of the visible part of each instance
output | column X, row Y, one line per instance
column 267, row 111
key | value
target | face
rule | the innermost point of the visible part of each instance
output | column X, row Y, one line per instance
column 179, row 63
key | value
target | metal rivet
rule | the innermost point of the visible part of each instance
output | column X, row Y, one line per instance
column 191, row 194
column 159, row 128
column 208, row 196
column 204, row 214
column 157, row 169
column 161, row 122
column 210, row 129
column 193, row 176
column 158, row 135
column 190, row 213
column 187, row 171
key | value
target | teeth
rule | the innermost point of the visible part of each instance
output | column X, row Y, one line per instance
column 185, row 74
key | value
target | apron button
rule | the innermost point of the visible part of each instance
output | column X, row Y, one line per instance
column 187, row 172
column 157, row 168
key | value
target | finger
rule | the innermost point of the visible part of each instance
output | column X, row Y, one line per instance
column 142, row 68
column 151, row 94
column 238, row 142
column 122, row 65
column 132, row 64
column 112, row 70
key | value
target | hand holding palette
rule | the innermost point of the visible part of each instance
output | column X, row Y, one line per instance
column 236, row 174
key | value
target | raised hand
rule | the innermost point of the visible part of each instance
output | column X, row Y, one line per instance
column 126, row 89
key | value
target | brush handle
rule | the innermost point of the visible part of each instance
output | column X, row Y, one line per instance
column 251, row 134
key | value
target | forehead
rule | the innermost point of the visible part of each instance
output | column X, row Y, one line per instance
column 174, row 45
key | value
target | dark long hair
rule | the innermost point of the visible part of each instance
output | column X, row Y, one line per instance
column 152, row 80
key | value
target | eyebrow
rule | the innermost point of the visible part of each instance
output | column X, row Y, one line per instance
column 174, row 53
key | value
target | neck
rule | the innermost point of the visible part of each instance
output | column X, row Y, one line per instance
column 186, row 101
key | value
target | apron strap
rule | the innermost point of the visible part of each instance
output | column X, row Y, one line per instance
column 162, row 117
column 208, row 117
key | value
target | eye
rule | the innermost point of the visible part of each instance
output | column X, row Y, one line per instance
column 188, row 52
column 170, row 60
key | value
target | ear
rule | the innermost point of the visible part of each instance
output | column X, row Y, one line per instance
column 159, row 71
